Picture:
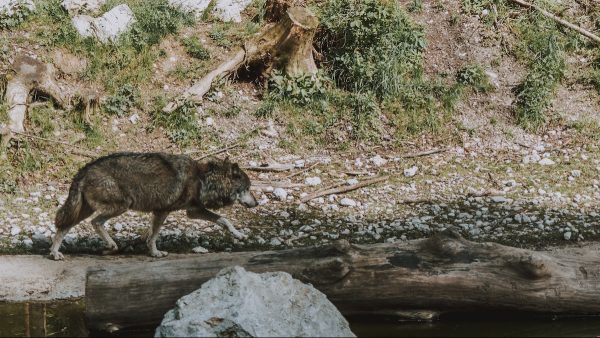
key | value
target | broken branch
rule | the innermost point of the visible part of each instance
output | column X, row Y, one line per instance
column 559, row 20
column 425, row 153
column 344, row 189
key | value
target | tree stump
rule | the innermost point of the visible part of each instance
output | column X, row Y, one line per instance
column 285, row 45
column 28, row 74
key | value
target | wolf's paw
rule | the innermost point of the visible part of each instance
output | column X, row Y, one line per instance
column 57, row 256
column 159, row 254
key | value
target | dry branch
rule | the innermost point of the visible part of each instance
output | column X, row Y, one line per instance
column 444, row 273
column 271, row 167
column 425, row 153
column 331, row 190
column 559, row 20
column 300, row 172
column 78, row 151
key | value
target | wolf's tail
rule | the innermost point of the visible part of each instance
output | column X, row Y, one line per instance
column 68, row 214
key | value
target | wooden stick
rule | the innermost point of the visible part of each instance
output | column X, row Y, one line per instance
column 344, row 189
column 425, row 153
column 275, row 167
column 83, row 151
column 300, row 172
column 218, row 151
column 559, row 20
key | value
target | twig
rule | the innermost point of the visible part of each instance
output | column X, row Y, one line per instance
column 356, row 173
column 300, row 172
column 275, row 184
column 425, row 153
column 218, row 151
column 274, row 167
column 82, row 152
column 559, row 20
column 344, row 189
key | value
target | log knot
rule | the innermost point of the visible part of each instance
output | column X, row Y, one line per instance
column 531, row 266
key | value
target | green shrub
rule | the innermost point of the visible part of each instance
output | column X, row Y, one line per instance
column 300, row 89
column 124, row 99
column 154, row 20
column 20, row 12
column 181, row 124
column 543, row 47
column 370, row 45
column 475, row 77
column 194, row 48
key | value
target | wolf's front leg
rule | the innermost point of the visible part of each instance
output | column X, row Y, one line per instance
column 212, row 217
column 157, row 221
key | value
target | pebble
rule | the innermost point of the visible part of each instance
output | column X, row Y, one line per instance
column 312, row 181
column 280, row 193
column 567, row 235
column 348, row 202
column 546, row 161
column 200, row 249
column 410, row 172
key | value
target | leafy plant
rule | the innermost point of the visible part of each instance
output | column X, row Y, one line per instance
column 195, row 49
column 300, row 89
column 181, row 124
column 120, row 103
column 19, row 12
column 370, row 45
column 475, row 77
column 219, row 36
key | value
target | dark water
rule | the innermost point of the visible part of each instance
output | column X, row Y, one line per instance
column 66, row 319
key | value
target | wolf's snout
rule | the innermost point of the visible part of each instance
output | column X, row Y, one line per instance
column 248, row 200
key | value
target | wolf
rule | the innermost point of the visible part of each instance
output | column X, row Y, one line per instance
column 152, row 182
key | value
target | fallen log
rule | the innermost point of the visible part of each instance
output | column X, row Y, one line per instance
column 441, row 274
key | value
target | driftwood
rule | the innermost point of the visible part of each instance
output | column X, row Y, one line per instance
column 559, row 20
column 444, row 273
column 336, row 189
column 285, row 45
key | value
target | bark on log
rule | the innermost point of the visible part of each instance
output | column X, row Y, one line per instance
column 285, row 45
column 442, row 273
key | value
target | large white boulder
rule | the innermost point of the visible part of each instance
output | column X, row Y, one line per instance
column 196, row 7
column 226, row 10
column 82, row 6
column 9, row 7
column 230, row 10
column 271, row 304
column 106, row 28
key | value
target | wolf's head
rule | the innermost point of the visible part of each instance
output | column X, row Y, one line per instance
column 225, row 183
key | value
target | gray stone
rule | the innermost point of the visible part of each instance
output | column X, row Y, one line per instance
column 280, row 193
column 106, row 28
column 11, row 6
column 348, row 202
column 82, row 6
column 245, row 302
column 230, row 10
column 312, row 181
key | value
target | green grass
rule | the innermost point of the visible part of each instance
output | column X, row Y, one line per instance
column 181, row 125
column 122, row 101
column 20, row 13
column 474, row 76
column 543, row 48
column 195, row 49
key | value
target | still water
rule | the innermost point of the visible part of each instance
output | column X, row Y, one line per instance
column 66, row 319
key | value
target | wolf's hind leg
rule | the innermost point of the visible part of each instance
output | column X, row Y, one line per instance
column 208, row 215
column 157, row 222
column 98, row 223
column 85, row 212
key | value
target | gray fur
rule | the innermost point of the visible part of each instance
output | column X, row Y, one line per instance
column 151, row 182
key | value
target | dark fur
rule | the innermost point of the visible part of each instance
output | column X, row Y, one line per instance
column 151, row 182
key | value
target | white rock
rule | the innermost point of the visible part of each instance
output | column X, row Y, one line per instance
column 82, row 6
column 378, row 160
column 312, row 181
column 15, row 230
column 209, row 121
column 347, row 202
column 118, row 227
column 230, row 10
column 200, row 249
column 299, row 163
column 280, row 193
column 196, row 7
column 10, row 6
column 352, row 181
column 275, row 242
column 567, row 235
column 575, row 173
column 106, row 28
column 546, row 161
column 134, row 118
column 498, row 199
column 244, row 302
column 410, row 172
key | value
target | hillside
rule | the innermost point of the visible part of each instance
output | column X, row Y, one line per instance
column 509, row 98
